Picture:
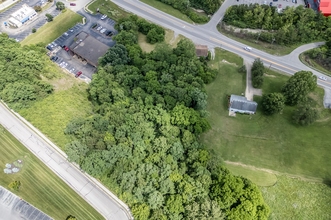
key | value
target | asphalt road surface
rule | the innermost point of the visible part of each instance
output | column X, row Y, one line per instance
column 88, row 188
column 208, row 35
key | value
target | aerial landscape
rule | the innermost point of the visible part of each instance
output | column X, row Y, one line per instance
column 165, row 109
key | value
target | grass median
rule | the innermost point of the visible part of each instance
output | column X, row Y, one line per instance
column 54, row 29
column 108, row 8
column 40, row 186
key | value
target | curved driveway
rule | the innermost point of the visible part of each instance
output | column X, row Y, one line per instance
column 208, row 35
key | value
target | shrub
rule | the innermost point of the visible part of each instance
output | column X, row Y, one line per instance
column 15, row 185
column 94, row 25
column 37, row 8
column 243, row 69
column 34, row 30
column 49, row 17
column 305, row 115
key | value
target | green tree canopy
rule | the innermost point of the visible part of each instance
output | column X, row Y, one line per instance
column 273, row 103
column 305, row 115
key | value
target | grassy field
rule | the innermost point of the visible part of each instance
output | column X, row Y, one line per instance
column 271, row 142
column 274, row 49
column 40, row 186
column 168, row 9
column 109, row 8
column 294, row 199
column 169, row 39
column 259, row 177
column 52, row 114
column 54, row 29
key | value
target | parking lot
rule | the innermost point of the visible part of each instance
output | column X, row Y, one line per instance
column 71, row 63
column 284, row 3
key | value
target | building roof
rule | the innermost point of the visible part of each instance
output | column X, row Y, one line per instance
column 241, row 103
column 24, row 12
column 201, row 50
column 89, row 48
column 15, row 22
column 325, row 7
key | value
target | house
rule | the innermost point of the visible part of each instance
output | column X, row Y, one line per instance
column 201, row 50
column 242, row 105
column 19, row 17
column 88, row 48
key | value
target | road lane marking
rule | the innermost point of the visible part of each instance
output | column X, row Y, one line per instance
column 236, row 48
column 157, row 14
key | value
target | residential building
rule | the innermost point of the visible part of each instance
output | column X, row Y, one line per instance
column 242, row 105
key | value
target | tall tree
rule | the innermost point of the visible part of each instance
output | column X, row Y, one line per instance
column 273, row 103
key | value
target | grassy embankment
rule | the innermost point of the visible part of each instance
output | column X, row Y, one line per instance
column 274, row 49
column 109, row 8
column 40, row 186
column 271, row 142
column 54, row 29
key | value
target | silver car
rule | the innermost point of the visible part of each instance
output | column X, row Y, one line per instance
column 103, row 30
column 323, row 78
column 99, row 28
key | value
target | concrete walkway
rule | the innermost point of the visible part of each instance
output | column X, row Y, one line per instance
column 250, row 90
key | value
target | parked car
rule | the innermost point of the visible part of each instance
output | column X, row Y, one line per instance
column 99, row 28
column 72, row 4
column 275, row 0
column 280, row 6
column 49, row 48
column 54, row 58
column 103, row 30
column 66, row 34
column 293, row 1
column 103, row 17
column 323, row 78
column 78, row 74
column 265, row 2
column 249, row 49
column 54, row 44
column 65, row 48
column 270, row 4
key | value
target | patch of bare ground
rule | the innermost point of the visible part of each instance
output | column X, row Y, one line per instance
column 233, row 64
column 305, row 178
column 66, row 82
column 269, row 75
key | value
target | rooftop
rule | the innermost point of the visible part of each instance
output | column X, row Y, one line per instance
column 241, row 103
column 201, row 50
column 88, row 47
column 23, row 12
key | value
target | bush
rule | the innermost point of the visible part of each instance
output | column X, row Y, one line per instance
column 94, row 25
column 305, row 115
column 34, row 30
column 15, row 185
column 273, row 103
column 37, row 8
column 243, row 69
column 49, row 17
column 60, row 6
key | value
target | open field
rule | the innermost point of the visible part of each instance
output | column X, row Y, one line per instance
column 40, row 186
column 109, row 8
column 270, row 142
column 169, row 39
column 260, row 178
column 294, row 199
column 52, row 114
column 273, row 49
column 168, row 9
column 54, row 29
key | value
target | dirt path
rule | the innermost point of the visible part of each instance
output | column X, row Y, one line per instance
column 310, row 179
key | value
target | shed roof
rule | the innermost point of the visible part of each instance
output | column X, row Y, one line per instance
column 241, row 103
column 201, row 50
column 88, row 47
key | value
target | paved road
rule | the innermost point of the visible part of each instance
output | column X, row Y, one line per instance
column 87, row 187
column 208, row 35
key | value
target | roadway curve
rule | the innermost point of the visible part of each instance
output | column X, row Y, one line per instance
column 92, row 191
column 207, row 34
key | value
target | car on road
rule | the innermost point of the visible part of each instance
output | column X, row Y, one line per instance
column 78, row 74
column 103, row 17
column 249, row 49
column 270, row 4
column 54, row 58
column 72, row 4
column 323, row 78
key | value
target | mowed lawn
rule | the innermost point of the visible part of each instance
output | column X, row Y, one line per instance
column 54, row 29
column 294, row 199
column 109, row 8
column 40, row 186
column 271, row 142
column 52, row 114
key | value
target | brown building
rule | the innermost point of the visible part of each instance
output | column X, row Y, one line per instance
column 88, row 48
column 201, row 50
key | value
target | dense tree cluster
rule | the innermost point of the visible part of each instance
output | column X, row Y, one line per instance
column 21, row 69
column 128, row 31
column 273, row 103
column 209, row 6
column 142, row 141
column 257, row 73
column 293, row 25
column 322, row 55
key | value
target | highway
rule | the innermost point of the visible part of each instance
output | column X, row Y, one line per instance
column 87, row 187
column 208, row 35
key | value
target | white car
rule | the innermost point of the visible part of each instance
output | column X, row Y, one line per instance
column 103, row 31
column 323, row 78
column 66, row 34
column 103, row 17
column 99, row 28
column 249, row 49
